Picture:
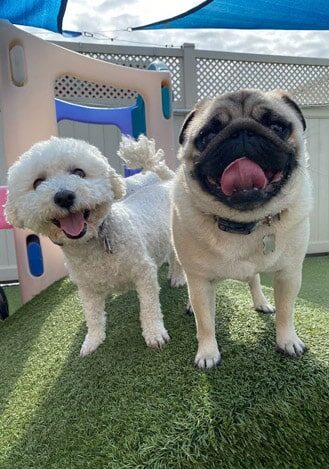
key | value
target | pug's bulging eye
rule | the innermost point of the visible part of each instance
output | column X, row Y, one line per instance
column 79, row 172
column 277, row 128
column 282, row 130
column 207, row 134
column 37, row 182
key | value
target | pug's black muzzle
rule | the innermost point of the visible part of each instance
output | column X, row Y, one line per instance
column 245, row 138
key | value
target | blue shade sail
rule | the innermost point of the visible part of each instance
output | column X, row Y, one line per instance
column 251, row 14
column 45, row 14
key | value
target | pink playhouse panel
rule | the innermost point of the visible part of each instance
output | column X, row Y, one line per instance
column 3, row 197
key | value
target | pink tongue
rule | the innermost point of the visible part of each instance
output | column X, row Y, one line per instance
column 242, row 174
column 73, row 224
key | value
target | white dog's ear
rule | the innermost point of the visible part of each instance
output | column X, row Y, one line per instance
column 118, row 184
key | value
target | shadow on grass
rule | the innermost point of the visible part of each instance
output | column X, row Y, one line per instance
column 20, row 333
column 132, row 407
column 13, row 297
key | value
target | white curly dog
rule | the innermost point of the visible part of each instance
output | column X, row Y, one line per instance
column 65, row 189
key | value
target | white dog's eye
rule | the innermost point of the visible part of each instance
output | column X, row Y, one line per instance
column 79, row 172
column 37, row 182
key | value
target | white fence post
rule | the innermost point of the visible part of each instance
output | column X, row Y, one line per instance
column 190, row 76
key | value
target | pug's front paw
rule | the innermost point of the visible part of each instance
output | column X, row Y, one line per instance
column 291, row 345
column 207, row 357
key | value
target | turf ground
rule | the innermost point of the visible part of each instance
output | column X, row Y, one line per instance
column 127, row 406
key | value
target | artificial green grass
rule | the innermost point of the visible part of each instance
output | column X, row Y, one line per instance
column 13, row 297
column 127, row 406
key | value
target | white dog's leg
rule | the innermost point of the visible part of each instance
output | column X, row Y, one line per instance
column 93, row 306
column 202, row 295
column 260, row 302
column 175, row 272
column 153, row 329
column 286, row 288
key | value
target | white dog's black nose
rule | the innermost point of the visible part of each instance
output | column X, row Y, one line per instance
column 64, row 198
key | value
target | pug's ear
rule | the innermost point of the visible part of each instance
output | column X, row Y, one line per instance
column 118, row 184
column 189, row 118
column 287, row 99
column 185, row 125
column 293, row 105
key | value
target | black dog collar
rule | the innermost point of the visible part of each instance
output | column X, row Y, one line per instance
column 231, row 226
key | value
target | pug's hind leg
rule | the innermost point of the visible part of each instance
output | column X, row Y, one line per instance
column 189, row 309
column 261, row 303
column 286, row 288
column 202, row 295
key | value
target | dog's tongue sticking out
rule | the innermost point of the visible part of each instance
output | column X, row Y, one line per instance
column 72, row 224
column 242, row 174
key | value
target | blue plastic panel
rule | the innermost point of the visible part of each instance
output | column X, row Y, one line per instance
column 166, row 102
column 130, row 120
column 34, row 255
column 120, row 116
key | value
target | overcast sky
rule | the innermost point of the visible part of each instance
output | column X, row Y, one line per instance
column 108, row 19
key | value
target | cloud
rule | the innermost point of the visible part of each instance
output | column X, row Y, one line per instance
column 106, row 4
column 124, row 21
column 289, row 43
column 111, row 18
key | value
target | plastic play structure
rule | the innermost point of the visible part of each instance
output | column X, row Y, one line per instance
column 28, row 68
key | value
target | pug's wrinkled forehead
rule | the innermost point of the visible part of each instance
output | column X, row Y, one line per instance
column 243, row 104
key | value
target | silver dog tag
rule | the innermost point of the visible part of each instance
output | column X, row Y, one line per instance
column 104, row 239
column 268, row 244
column 107, row 245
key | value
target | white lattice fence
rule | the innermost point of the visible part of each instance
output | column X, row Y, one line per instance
column 173, row 63
column 308, row 83
column 198, row 74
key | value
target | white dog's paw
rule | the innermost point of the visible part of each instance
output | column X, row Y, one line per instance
column 156, row 338
column 90, row 344
column 177, row 281
column 264, row 307
column 207, row 357
column 291, row 345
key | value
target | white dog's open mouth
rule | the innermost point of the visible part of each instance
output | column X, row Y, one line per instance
column 74, row 225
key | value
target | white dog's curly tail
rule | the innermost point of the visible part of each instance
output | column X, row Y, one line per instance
column 141, row 153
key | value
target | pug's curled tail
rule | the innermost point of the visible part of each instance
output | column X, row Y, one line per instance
column 142, row 154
